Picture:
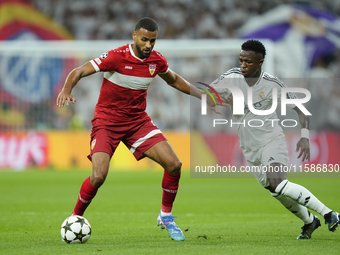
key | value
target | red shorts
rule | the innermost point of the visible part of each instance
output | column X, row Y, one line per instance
column 138, row 136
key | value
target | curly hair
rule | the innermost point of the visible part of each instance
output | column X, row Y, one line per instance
column 254, row 45
column 147, row 23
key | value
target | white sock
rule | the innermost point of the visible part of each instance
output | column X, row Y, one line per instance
column 163, row 214
column 302, row 196
column 298, row 210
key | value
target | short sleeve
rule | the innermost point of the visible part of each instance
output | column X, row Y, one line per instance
column 220, row 87
column 108, row 61
column 289, row 95
column 164, row 66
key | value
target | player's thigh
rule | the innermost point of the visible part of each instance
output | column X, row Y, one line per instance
column 101, row 162
column 276, row 173
column 274, row 152
column 104, row 140
column 259, row 174
column 103, row 145
column 164, row 155
column 275, row 157
column 267, row 161
column 254, row 163
column 142, row 137
column 100, row 168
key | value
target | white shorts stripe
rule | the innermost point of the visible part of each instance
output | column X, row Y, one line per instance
column 143, row 139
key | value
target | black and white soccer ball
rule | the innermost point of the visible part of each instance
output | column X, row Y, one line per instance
column 75, row 229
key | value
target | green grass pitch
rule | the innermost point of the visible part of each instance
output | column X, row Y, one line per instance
column 219, row 216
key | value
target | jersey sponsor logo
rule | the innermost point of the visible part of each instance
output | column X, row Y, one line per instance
column 270, row 159
column 128, row 67
column 152, row 68
column 104, row 55
column 98, row 61
column 261, row 95
column 93, row 143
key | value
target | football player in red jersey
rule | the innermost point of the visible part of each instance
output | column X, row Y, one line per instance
column 120, row 116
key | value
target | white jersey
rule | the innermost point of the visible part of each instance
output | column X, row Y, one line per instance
column 254, row 131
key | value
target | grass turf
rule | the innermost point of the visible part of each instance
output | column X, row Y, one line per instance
column 219, row 216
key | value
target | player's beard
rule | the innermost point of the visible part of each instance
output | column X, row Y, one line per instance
column 141, row 53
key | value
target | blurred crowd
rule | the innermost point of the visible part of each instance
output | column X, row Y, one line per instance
column 178, row 19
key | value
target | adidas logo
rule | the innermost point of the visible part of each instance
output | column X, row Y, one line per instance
column 306, row 201
column 300, row 195
column 270, row 159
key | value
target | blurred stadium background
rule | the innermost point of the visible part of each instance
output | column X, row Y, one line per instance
column 42, row 41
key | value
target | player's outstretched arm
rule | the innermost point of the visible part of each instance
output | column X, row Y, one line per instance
column 303, row 143
column 178, row 82
column 72, row 79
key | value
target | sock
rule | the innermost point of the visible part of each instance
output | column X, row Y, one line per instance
column 163, row 214
column 302, row 196
column 170, row 187
column 298, row 210
column 86, row 194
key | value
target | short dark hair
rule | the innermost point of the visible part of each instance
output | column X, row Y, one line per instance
column 147, row 23
column 254, row 45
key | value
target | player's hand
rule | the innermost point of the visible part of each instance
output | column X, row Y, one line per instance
column 303, row 147
column 211, row 104
column 65, row 97
column 229, row 99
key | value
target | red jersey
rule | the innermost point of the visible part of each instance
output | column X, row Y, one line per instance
column 126, row 80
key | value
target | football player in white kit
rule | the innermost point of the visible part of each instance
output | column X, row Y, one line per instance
column 263, row 142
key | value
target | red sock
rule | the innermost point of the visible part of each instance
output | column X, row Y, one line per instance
column 170, row 186
column 86, row 194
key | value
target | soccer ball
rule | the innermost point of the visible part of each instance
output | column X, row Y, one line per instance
column 75, row 229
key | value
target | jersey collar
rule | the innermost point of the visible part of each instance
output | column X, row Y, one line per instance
column 260, row 78
column 133, row 54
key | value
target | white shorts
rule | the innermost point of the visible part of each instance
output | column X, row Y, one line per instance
column 274, row 152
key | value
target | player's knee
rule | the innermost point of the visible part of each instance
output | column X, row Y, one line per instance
column 97, row 179
column 174, row 167
column 273, row 183
column 271, row 188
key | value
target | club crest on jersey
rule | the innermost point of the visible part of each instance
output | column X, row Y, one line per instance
column 261, row 95
column 104, row 55
column 152, row 68
column 93, row 144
